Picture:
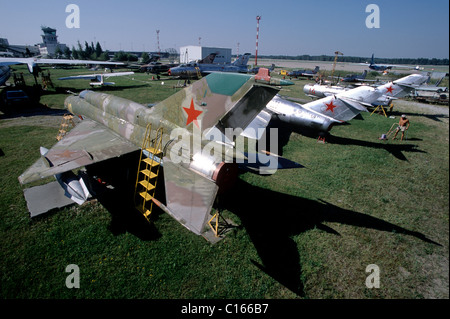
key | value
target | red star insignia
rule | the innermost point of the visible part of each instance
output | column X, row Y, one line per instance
column 192, row 114
column 330, row 106
column 390, row 89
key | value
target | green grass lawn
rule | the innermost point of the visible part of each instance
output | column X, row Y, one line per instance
column 306, row 233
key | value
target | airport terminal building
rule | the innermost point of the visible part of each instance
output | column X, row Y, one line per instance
column 193, row 53
column 50, row 43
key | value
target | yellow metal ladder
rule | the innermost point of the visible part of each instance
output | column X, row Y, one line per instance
column 199, row 74
column 148, row 170
column 67, row 118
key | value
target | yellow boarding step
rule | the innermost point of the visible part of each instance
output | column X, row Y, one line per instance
column 154, row 151
column 147, row 185
column 67, row 119
column 149, row 173
column 150, row 162
column 146, row 196
column 148, row 170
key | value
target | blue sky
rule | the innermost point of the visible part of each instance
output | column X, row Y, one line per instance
column 410, row 29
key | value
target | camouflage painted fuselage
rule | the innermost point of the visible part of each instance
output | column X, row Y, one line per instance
column 191, row 119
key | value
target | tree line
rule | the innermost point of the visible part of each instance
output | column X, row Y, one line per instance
column 353, row 59
column 95, row 53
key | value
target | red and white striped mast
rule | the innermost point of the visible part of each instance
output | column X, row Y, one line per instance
column 257, row 35
column 157, row 40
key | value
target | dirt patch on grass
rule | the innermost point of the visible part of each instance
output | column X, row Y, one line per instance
column 45, row 117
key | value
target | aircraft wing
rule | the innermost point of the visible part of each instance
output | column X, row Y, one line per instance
column 189, row 196
column 31, row 62
column 87, row 143
column 257, row 127
column 94, row 76
column 85, row 76
column 356, row 104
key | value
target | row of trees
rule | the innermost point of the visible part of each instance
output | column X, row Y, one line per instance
column 90, row 52
column 96, row 53
column 352, row 59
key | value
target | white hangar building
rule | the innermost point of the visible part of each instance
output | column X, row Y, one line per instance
column 194, row 53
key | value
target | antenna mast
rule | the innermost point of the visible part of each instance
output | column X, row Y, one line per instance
column 157, row 39
column 257, row 35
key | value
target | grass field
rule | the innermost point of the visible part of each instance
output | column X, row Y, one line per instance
column 308, row 233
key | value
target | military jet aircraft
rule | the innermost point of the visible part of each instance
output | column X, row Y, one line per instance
column 197, row 149
column 194, row 70
column 255, row 70
column 158, row 67
column 33, row 63
column 303, row 73
column 321, row 91
column 354, row 78
column 381, row 67
column 97, row 79
column 337, row 107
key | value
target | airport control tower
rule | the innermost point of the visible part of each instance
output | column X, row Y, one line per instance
column 50, row 42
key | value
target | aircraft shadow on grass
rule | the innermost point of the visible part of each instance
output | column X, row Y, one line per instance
column 395, row 149
column 270, row 218
column 68, row 89
column 115, row 192
column 29, row 111
column 434, row 117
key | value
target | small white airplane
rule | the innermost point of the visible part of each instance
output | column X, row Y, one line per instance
column 32, row 64
column 97, row 79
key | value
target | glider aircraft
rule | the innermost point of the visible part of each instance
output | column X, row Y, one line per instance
column 97, row 79
column 33, row 63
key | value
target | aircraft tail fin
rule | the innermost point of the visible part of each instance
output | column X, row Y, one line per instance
column 243, row 60
column 221, row 100
column 340, row 109
column 316, row 69
column 402, row 87
column 372, row 61
column 209, row 59
column 412, row 79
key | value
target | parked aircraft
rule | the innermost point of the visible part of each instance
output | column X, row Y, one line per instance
column 321, row 91
column 158, row 67
column 33, row 63
column 434, row 87
column 193, row 70
column 303, row 73
column 381, row 67
column 256, row 69
column 339, row 107
column 5, row 73
column 97, row 79
column 191, row 135
column 354, row 78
